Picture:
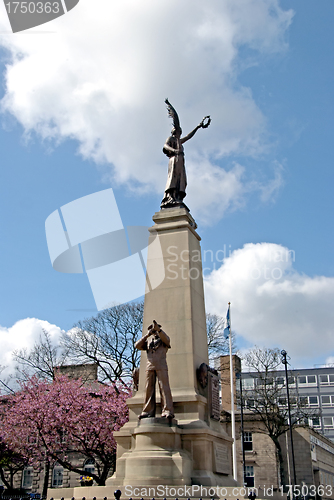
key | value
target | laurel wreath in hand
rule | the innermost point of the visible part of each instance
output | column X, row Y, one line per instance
column 206, row 122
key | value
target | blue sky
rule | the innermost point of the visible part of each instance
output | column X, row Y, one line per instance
column 83, row 110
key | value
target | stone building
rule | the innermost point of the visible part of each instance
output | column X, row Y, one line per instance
column 313, row 451
column 316, row 386
column 32, row 479
column 314, row 459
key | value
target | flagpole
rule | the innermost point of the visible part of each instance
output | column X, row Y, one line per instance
column 234, row 446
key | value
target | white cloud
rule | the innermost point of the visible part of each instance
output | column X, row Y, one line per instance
column 270, row 189
column 213, row 190
column 23, row 334
column 330, row 361
column 272, row 304
column 102, row 76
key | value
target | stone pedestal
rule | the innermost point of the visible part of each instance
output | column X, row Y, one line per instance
column 195, row 449
column 156, row 456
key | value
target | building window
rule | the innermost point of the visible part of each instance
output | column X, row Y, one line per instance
column 261, row 381
column 327, row 400
column 326, row 379
column 61, row 438
column 27, row 476
column 304, row 380
column 259, row 403
column 328, row 422
column 315, row 422
column 248, row 441
column 57, row 476
column 249, row 476
column 89, row 466
column 313, row 401
column 282, row 381
column 248, row 383
column 293, row 400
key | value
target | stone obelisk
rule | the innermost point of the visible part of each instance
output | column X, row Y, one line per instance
column 194, row 447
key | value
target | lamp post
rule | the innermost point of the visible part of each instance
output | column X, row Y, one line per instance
column 285, row 363
column 238, row 376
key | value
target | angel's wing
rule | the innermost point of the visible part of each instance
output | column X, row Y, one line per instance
column 173, row 114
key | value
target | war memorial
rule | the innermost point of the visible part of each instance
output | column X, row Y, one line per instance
column 174, row 437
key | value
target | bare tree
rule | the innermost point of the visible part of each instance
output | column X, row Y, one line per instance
column 4, row 381
column 218, row 344
column 108, row 340
column 41, row 360
column 268, row 397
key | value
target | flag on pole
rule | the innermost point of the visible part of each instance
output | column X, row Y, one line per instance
column 227, row 329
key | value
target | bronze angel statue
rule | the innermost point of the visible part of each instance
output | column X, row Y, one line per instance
column 176, row 185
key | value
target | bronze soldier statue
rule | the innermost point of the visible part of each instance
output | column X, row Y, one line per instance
column 156, row 343
column 176, row 185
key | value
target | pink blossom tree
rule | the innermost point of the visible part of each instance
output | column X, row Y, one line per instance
column 54, row 421
column 12, row 462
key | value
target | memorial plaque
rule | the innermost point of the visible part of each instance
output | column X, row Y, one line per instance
column 221, row 459
column 214, row 400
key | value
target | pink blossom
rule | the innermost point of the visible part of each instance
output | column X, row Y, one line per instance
column 46, row 421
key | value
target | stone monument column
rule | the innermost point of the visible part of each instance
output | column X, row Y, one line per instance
column 178, row 304
column 194, row 447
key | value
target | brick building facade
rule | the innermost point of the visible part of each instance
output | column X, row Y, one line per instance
column 313, row 451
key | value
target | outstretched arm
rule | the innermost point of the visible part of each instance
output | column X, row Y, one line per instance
column 190, row 135
column 204, row 124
